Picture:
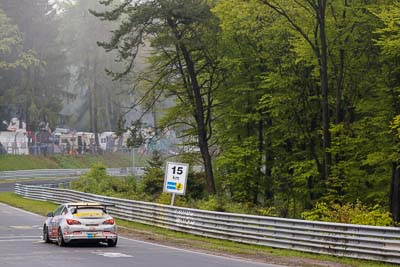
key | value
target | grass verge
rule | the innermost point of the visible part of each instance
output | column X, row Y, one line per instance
column 35, row 206
column 209, row 245
column 30, row 162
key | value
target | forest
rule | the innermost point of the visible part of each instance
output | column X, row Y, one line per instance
column 293, row 104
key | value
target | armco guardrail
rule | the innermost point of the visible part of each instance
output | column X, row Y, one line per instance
column 355, row 241
column 45, row 173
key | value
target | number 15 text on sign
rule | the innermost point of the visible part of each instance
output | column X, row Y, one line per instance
column 175, row 178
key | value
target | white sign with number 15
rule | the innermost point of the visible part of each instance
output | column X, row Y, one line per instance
column 175, row 178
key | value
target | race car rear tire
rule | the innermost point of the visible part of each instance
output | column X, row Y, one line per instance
column 46, row 234
column 60, row 238
column 112, row 243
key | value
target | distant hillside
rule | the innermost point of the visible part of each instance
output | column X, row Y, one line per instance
column 11, row 162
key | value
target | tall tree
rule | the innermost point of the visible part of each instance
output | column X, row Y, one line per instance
column 11, row 52
column 389, row 41
column 95, row 102
column 182, row 34
column 240, row 129
column 290, row 105
column 314, row 34
column 37, row 90
column 269, row 111
column 12, row 57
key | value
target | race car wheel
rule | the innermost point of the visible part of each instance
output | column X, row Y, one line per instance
column 112, row 243
column 46, row 234
column 60, row 238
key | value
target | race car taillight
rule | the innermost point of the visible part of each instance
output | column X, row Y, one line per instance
column 72, row 222
column 110, row 221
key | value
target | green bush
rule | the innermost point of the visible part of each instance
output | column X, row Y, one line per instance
column 196, row 187
column 150, row 189
column 97, row 181
column 213, row 203
column 152, row 182
column 357, row 213
column 225, row 204
column 271, row 211
column 165, row 199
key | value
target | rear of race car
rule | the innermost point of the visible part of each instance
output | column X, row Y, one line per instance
column 90, row 224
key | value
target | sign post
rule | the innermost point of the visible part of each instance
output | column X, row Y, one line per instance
column 172, row 199
column 175, row 179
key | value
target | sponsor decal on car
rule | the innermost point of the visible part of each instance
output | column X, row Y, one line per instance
column 91, row 235
column 89, row 214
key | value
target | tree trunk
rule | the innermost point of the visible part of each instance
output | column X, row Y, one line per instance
column 90, row 95
column 199, row 117
column 90, row 109
column 268, row 184
column 109, row 112
column 339, row 118
column 260, row 159
column 339, row 88
column 199, row 112
column 95, row 107
column 395, row 192
column 324, row 88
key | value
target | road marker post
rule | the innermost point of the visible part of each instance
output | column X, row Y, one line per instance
column 175, row 179
column 172, row 199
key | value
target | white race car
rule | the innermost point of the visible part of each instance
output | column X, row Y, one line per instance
column 80, row 222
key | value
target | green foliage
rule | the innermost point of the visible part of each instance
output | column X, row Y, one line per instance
column 366, row 150
column 271, row 211
column 150, row 189
column 224, row 204
column 389, row 35
column 33, row 84
column 357, row 213
column 120, row 127
column 238, row 167
column 165, row 199
column 196, row 188
column 255, row 67
column 98, row 182
column 183, row 64
column 135, row 139
column 273, row 77
column 11, row 55
column 395, row 126
column 153, row 181
column 214, row 203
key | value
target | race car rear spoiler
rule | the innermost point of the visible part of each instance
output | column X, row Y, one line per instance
column 88, row 205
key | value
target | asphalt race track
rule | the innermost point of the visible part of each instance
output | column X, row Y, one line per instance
column 21, row 245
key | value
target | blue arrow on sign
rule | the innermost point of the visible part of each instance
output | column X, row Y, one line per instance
column 171, row 185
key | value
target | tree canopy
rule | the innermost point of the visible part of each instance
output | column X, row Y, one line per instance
column 11, row 54
column 286, row 104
